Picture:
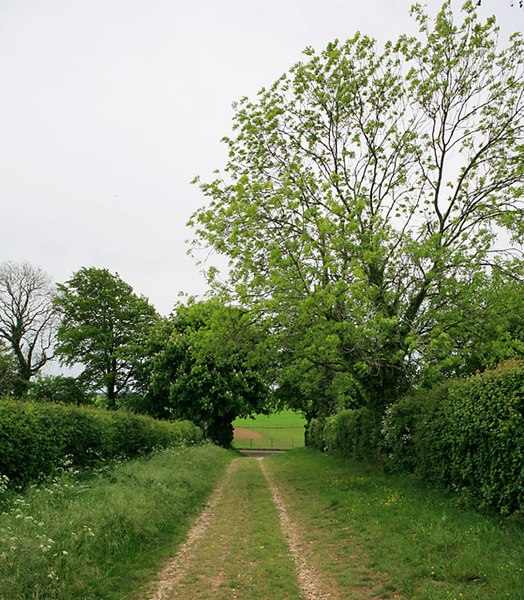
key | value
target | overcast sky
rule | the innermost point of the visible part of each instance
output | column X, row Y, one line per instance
column 109, row 108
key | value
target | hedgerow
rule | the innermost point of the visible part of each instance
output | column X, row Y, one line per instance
column 466, row 435
column 314, row 436
column 352, row 433
column 473, row 439
column 35, row 438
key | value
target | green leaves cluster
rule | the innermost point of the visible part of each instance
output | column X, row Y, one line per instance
column 364, row 192
column 203, row 368
column 104, row 327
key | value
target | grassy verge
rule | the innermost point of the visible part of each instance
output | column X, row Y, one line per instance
column 243, row 555
column 395, row 539
column 103, row 536
column 283, row 430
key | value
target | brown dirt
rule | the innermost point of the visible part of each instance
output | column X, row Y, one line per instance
column 247, row 434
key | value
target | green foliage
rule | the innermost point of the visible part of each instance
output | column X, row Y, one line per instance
column 315, row 434
column 8, row 372
column 474, row 439
column 363, row 193
column 65, row 390
column 104, row 327
column 202, row 368
column 352, row 433
column 482, row 328
column 467, row 435
column 36, row 438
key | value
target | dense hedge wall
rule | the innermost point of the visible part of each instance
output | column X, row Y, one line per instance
column 350, row 433
column 473, row 439
column 466, row 435
column 36, row 438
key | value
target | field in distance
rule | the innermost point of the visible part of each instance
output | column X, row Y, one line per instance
column 282, row 430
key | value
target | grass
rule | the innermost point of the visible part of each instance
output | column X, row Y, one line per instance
column 243, row 555
column 388, row 537
column 283, row 430
column 102, row 536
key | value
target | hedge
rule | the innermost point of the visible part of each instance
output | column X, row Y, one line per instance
column 349, row 433
column 466, row 435
column 473, row 439
column 36, row 439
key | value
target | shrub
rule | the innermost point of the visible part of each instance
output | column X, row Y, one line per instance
column 400, row 429
column 314, row 434
column 473, row 440
column 352, row 433
column 37, row 438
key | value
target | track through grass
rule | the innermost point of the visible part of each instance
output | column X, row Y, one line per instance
column 242, row 554
column 100, row 536
column 383, row 536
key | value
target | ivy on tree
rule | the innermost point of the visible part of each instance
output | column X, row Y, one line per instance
column 363, row 191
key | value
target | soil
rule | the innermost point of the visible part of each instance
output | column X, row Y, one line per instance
column 247, row 434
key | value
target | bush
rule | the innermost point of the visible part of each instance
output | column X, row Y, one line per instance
column 352, row 433
column 401, row 424
column 473, row 440
column 466, row 435
column 35, row 439
column 314, row 435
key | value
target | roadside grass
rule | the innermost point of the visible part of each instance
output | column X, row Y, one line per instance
column 283, row 430
column 395, row 538
column 243, row 555
column 102, row 535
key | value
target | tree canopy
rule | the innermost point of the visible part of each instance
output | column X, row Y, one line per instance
column 203, row 369
column 104, row 327
column 364, row 192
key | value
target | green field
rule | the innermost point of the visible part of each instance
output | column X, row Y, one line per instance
column 282, row 430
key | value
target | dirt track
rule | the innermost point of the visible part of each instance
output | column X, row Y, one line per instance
column 202, row 566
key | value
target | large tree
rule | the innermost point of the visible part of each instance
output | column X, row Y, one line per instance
column 104, row 327
column 365, row 189
column 27, row 318
column 204, row 368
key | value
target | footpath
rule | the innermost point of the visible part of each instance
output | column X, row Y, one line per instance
column 244, row 546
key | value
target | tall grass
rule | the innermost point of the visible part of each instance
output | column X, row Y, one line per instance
column 102, row 535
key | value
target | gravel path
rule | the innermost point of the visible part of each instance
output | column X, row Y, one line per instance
column 308, row 579
column 175, row 570
column 170, row 582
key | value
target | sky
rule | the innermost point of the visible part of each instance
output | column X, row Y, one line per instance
column 110, row 108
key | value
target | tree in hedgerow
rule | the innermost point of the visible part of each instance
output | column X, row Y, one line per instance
column 104, row 326
column 59, row 388
column 469, row 337
column 203, row 368
column 365, row 189
column 8, row 371
column 27, row 318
